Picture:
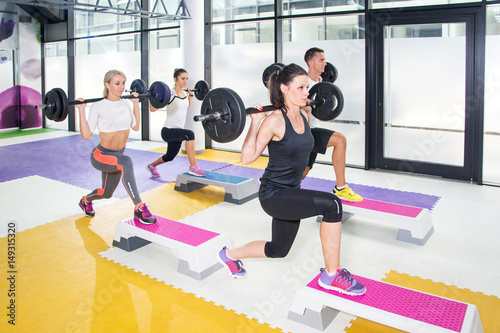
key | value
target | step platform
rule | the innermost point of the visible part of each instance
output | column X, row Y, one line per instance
column 197, row 248
column 415, row 224
column 402, row 308
column 238, row 189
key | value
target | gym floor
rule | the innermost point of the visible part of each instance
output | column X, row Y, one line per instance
column 64, row 275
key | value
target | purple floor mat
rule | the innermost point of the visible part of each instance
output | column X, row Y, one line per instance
column 67, row 160
column 370, row 192
column 377, row 193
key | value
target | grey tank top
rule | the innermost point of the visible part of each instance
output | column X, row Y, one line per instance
column 287, row 159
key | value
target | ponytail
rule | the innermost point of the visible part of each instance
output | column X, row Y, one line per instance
column 283, row 76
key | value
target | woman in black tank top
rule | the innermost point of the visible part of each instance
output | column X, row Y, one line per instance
column 287, row 135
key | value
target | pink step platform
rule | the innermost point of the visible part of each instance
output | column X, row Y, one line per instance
column 402, row 308
column 415, row 224
column 197, row 248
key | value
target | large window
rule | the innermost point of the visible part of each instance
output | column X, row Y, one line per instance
column 342, row 39
column 97, row 24
column 56, row 74
column 228, row 10
column 295, row 7
column 491, row 135
column 413, row 3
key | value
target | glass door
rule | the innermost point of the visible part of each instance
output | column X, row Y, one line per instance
column 424, row 111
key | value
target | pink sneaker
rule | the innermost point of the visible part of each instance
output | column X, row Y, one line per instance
column 154, row 172
column 196, row 171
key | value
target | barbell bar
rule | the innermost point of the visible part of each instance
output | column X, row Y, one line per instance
column 55, row 102
column 223, row 114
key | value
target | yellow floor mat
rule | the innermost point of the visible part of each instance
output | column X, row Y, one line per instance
column 62, row 284
column 224, row 156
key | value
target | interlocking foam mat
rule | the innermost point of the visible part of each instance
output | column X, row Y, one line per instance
column 67, row 159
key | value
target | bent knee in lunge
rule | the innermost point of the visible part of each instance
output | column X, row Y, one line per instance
column 330, row 206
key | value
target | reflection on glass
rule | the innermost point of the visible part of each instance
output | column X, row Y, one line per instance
column 424, row 93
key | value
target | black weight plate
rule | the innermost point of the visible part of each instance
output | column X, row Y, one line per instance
column 159, row 94
column 233, row 117
column 330, row 74
column 201, row 89
column 270, row 70
column 54, row 104
column 64, row 104
column 139, row 86
column 334, row 100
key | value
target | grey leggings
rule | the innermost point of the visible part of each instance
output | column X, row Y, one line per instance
column 115, row 167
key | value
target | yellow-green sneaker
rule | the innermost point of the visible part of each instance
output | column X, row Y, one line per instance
column 347, row 194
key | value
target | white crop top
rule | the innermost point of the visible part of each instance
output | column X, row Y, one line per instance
column 314, row 121
column 109, row 116
column 176, row 111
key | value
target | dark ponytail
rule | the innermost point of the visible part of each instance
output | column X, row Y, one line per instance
column 284, row 76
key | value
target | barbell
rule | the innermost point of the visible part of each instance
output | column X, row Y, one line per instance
column 55, row 102
column 201, row 89
column 223, row 114
column 329, row 75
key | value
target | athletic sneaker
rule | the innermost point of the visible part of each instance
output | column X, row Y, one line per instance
column 152, row 169
column 87, row 208
column 342, row 282
column 235, row 267
column 347, row 194
column 143, row 215
column 196, row 171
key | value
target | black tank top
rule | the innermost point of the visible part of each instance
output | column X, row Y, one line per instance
column 287, row 159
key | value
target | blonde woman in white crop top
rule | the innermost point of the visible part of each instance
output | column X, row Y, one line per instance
column 173, row 132
column 114, row 118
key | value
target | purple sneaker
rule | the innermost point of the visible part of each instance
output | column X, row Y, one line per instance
column 143, row 215
column 152, row 169
column 87, row 208
column 235, row 267
column 196, row 171
column 342, row 282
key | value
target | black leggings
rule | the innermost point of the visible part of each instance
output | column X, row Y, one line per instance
column 288, row 207
column 174, row 138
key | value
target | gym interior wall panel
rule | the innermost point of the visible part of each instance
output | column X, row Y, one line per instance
column 239, row 67
column 91, row 68
column 491, row 148
column 348, row 56
column 56, row 76
column 162, row 63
